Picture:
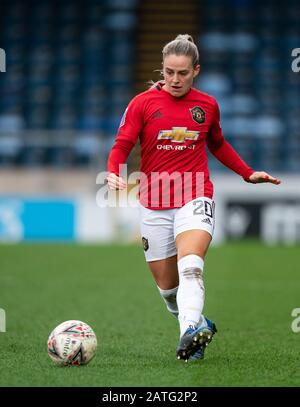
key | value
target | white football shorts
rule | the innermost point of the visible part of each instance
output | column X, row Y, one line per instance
column 159, row 228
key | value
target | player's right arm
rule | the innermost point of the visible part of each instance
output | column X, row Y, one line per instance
column 128, row 132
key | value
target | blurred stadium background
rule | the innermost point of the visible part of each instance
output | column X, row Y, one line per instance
column 71, row 69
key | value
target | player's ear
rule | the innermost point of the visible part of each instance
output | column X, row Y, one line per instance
column 196, row 70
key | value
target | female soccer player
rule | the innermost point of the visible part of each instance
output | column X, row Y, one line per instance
column 175, row 122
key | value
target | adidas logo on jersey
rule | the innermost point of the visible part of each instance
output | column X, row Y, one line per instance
column 207, row 220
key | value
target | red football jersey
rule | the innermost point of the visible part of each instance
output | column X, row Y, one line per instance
column 173, row 134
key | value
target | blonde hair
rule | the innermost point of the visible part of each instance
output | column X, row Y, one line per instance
column 182, row 45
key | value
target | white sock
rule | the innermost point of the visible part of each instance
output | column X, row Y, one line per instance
column 169, row 296
column 191, row 293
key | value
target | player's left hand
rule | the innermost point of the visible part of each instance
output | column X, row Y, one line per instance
column 261, row 176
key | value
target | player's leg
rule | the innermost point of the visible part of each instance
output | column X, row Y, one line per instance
column 160, row 252
column 165, row 274
column 194, row 225
column 192, row 246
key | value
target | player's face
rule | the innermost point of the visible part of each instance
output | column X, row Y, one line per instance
column 179, row 74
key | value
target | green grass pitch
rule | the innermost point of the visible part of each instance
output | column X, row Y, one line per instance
column 251, row 291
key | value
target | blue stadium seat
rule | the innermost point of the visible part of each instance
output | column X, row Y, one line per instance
column 246, row 64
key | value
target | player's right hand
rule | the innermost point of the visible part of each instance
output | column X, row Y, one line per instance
column 115, row 182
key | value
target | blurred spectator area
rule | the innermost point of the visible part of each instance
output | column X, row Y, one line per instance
column 68, row 78
column 71, row 65
column 245, row 48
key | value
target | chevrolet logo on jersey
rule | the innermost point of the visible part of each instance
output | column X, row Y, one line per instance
column 178, row 135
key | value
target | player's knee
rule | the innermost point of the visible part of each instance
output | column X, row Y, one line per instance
column 193, row 242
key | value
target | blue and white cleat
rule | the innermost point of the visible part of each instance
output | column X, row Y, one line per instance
column 194, row 341
column 198, row 355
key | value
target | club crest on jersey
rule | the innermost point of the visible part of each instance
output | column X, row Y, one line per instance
column 198, row 114
column 178, row 135
column 145, row 244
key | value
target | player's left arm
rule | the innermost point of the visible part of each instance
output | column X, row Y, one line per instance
column 261, row 176
column 226, row 154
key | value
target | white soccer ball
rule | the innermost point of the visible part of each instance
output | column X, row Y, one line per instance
column 72, row 343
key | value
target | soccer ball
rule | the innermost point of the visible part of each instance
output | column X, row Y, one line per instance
column 72, row 343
